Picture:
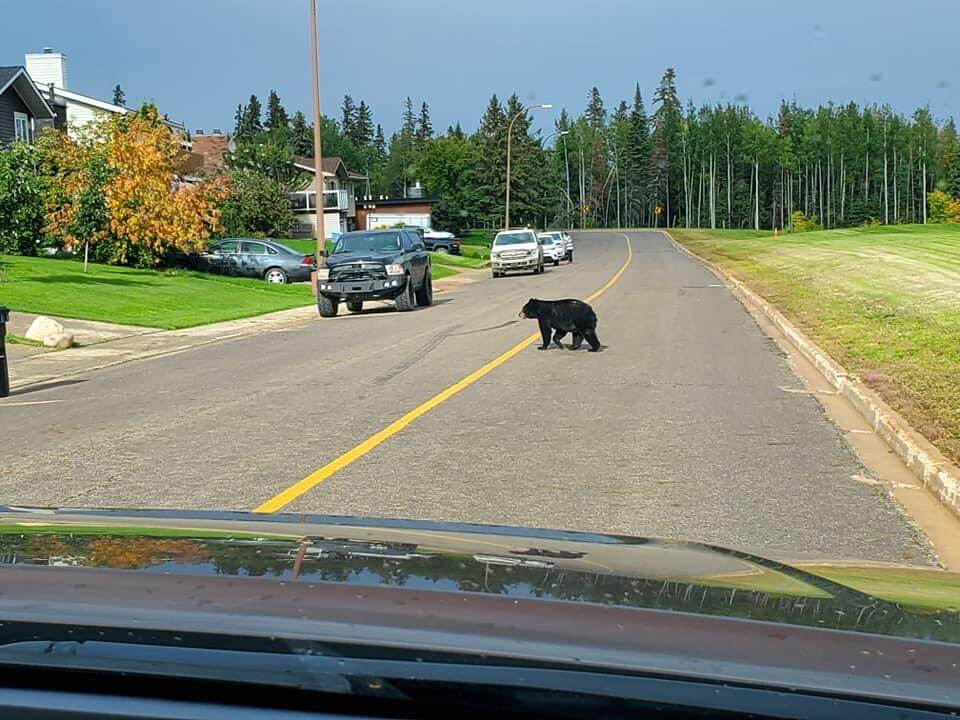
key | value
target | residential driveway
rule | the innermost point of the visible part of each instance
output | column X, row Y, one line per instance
column 689, row 424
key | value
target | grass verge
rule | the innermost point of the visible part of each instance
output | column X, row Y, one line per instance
column 152, row 298
column 883, row 301
column 458, row 261
column 18, row 340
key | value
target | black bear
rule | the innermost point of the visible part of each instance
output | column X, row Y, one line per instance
column 563, row 316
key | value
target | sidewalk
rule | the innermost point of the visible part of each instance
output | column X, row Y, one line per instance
column 100, row 345
column 104, row 344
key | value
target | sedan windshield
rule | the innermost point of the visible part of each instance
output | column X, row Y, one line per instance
column 514, row 239
column 368, row 242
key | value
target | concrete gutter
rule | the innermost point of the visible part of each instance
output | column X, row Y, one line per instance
column 931, row 467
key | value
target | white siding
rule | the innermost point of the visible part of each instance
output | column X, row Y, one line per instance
column 46, row 68
column 80, row 115
column 332, row 222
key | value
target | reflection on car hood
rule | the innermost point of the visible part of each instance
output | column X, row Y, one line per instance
column 586, row 568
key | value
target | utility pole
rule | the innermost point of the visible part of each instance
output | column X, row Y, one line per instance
column 518, row 113
column 317, row 150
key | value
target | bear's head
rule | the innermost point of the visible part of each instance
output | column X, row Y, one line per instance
column 531, row 309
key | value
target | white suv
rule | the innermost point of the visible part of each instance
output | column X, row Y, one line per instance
column 554, row 249
column 516, row 250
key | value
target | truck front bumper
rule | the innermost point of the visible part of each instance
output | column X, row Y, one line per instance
column 363, row 289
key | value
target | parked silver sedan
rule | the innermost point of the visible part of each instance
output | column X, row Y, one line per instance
column 252, row 257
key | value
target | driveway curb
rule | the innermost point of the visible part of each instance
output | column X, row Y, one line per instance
column 926, row 462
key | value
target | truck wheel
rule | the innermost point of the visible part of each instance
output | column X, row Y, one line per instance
column 327, row 307
column 556, row 261
column 406, row 301
column 355, row 306
column 496, row 274
column 425, row 293
column 442, row 250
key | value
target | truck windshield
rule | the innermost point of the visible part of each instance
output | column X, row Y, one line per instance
column 514, row 239
column 368, row 242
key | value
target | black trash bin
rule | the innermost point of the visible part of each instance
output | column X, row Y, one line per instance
column 4, row 374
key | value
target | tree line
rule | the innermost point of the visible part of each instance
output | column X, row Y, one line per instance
column 715, row 166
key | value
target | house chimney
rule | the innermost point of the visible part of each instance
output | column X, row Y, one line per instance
column 47, row 67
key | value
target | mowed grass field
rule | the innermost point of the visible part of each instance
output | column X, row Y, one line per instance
column 168, row 299
column 883, row 301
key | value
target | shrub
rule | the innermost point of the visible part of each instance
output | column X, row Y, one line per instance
column 801, row 223
column 22, row 187
column 942, row 208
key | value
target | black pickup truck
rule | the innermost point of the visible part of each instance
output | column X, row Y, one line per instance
column 375, row 265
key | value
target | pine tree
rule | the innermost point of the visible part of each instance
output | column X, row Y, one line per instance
column 252, row 122
column 665, row 166
column 276, row 115
column 424, row 126
column 301, row 135
column 638, row 154
column 119, row 97
column 238, row 121
column 363, row 126
column 380, row 142
column 348, row 115
column 409, row 119
column 596, row 115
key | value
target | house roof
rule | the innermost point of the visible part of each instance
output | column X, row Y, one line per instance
column 61, row 94
column 331, row 166
column 16, row 77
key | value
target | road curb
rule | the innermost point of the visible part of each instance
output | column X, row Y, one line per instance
column 937, row 473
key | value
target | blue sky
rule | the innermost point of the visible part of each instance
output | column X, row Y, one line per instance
column 197, row 59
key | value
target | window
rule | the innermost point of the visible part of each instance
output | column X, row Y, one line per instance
column 227, row 247
column 21, row 127
column 253, row 248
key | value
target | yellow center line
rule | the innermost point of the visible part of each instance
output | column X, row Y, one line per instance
column 284, row 498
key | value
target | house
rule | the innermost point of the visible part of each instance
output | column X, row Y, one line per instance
column 373, row 213
column 73, row 110
column 211, row 148
column 22, row 108
column 340, row 190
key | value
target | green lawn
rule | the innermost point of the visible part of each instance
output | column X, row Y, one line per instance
column 883, row 301
column 17, row 340
column 458, row 261
column 152, row 298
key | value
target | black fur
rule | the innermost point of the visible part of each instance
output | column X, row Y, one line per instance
column 558, row 317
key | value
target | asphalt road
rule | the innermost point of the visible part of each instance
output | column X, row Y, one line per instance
column 687, row 425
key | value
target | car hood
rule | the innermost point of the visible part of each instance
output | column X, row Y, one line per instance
column 585, row 568
column 362, row 257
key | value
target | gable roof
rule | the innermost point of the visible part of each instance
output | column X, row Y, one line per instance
column 332, row 166
column 16, row 77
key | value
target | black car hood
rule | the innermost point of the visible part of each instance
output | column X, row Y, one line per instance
column 344, row 258
column 583, row 568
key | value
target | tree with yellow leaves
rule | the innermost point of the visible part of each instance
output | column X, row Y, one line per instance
column 118, row 190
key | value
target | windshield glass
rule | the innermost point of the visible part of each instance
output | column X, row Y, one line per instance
column 221, row 295
column 520, row 238
column 368, row 242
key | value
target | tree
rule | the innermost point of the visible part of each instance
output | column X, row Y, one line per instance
column 301, row 135
column 238, row 121
column 276, row 115
column 380, row 143
column 666, row 143
column 409, row 119
column 255, row 205
column 596, row 115
column 114, row 186
column 348, row 114
column 119, row 97
column 363, row 127
column 23, row 185
column 268, row 157
column 424, row 126
column 251, row 123
column 638, row 162
column 443, row 167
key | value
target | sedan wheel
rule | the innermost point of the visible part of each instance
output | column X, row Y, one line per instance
column 275, row 275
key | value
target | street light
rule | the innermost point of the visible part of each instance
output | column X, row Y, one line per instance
column 518, row 113
column 566, row 164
